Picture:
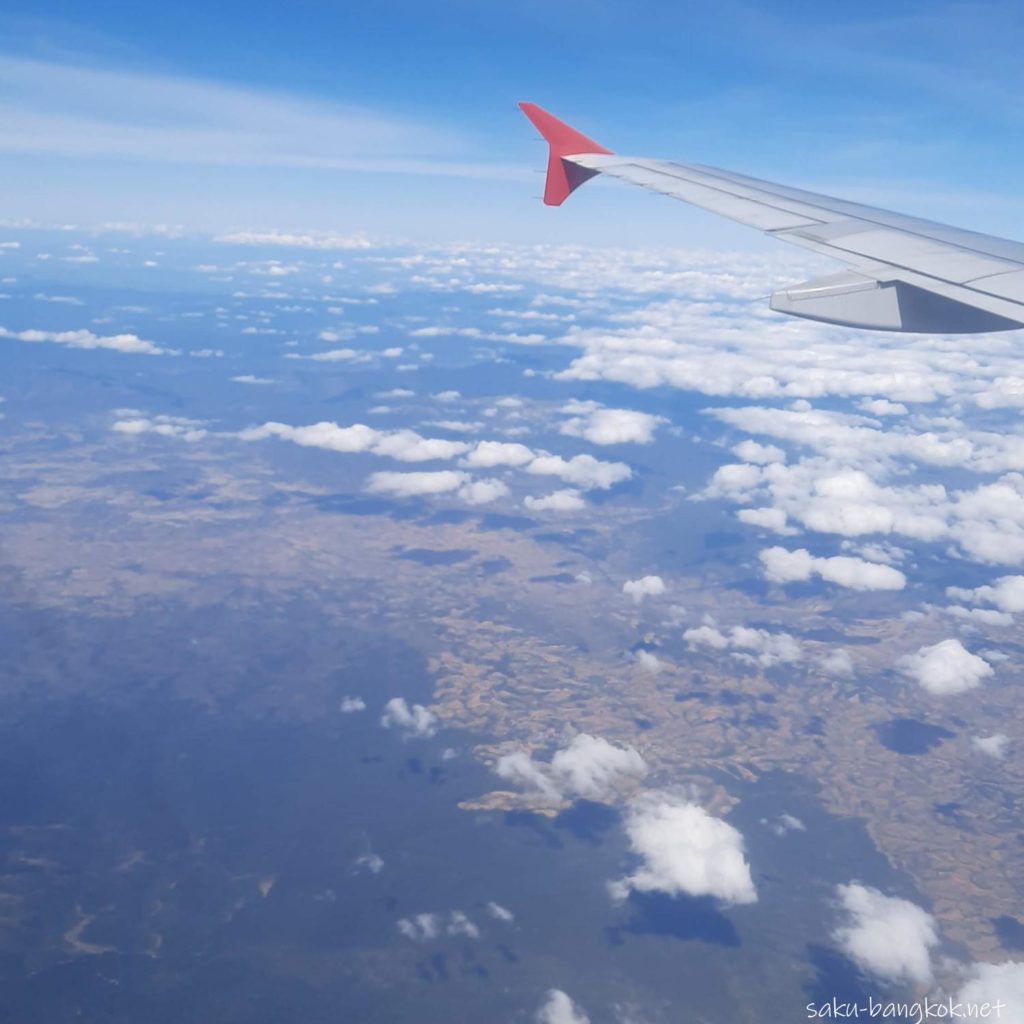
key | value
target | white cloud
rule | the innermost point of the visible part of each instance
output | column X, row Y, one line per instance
column 761, row 454
column 521, row 769
column 131, row 344
column 1007, row 594
column 248, row 378
column 706, row 636
column 336, row 355
column 325, row 434
column 783, row 566
column 500, row 913
column 593, row 768
column 583, row 471
column 166, row 426
column 408, row 446
column 78, row 112
column 410, row 485
column 283, row 239
column 566, row 500
column 890, row 937
column 431, row 926
column 457, row 426
column 372, row 862
column 882, row 407
column 704, row 340
column 994, row 745
column 588, row 767
column 788, row 823
column 648, row 662
column 488, row 454
column 843, row 490
column 410, row 721
column 755, row 645
column 945, row 668
column 837, row 663
column 350, row 705
column 773, row 519
column 460, row 924
column 483, row 492
column 683, row 849
column 421, row 927
column 558, row 1008
column 646, row 586
column 997, row 983
column 734, row 481
column 612, row 426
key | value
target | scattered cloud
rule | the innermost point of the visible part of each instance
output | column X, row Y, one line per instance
column 761, row 454
column 882, row 407
column 500, row 913
column 283, row 239
column 945, row 668
column 415, row 721
column 684, row 850
column 431, row 926
column 488, row 454
column 648, row 662
column 837, row 663
column 589, row 767
column 994, row 745
column 566, row 500
column 582, row 471
column 997, row 983
column 350, row 705
column 757, row 646
column 483, row 492
column 371, row 862
column 248, row 378
column 130, row 344
column 166, row 426
column 609, row 426
column 890, row 937
column 646, row 586
column 558, row 1008
column 411, row 485
column 783, row 566
column 1007, row 594
column 402, row 445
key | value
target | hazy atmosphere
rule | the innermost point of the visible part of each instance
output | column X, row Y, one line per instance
column 422, row 604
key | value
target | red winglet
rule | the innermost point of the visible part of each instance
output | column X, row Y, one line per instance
column 563, row 177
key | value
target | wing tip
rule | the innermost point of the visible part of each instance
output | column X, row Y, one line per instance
column 563, row 177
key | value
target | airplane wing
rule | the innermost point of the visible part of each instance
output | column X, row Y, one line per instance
column 907, row 274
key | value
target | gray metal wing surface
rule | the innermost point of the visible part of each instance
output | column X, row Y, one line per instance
column 906, row 274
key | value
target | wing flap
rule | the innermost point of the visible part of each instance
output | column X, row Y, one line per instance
column 853, row 300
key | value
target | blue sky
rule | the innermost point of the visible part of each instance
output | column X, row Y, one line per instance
column 399, row 119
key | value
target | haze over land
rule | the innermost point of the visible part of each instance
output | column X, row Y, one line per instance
column 449, row 626
column 422, row 605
